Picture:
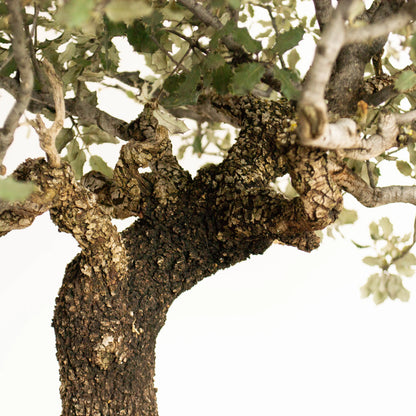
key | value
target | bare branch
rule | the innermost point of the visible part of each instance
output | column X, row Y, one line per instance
column 345, row 136
column 312, row 108
column 22, row 58
column 393, row 23
column 324, row 10
column 364, row 193
column 47, row 137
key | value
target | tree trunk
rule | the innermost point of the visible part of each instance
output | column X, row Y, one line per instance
column 117, row 291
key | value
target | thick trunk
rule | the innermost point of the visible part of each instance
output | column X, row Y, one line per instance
column 106, row 355
column 117, row 291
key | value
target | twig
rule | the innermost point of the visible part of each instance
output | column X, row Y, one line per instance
column 47, row 137
column 23, row 63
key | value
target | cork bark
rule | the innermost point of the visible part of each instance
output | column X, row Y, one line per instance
column 107, row 319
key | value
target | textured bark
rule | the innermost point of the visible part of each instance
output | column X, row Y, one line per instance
column 106, row 328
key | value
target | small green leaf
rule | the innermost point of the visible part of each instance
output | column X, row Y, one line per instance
column 77, row 164
column 73, row 150
column 63, row 138
column 173, row 124
column 379, row 297
column 374, row 231
column 293, row 58
column 406, row 81
column 98, row 164
column 140, row 37
column 197, row 144
column 182, row 88
column 347, row 216
column 373, row 261
column 288, row 80
column 75, row 13
column 386, row 226
column 235, row 4
column 214, row 61
column 93, row 134
column 404, row 168
column 12, row 190
column 403, row 294
column 128, row 10
column 68, row 53
column 289, row 39
column 246, row 77
column 221, row 78
column 242, row 36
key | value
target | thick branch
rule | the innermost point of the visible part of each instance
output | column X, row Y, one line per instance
column 22, row 59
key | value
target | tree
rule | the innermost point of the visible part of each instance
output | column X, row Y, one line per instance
column 321, row 130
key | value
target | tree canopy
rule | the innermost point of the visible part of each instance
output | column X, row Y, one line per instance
column 290, row 137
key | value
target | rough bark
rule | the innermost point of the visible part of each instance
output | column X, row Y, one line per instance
column 107, row 320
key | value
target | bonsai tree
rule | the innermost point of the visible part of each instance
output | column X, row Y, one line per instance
column 327, row 130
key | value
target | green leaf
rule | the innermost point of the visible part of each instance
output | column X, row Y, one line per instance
column 373, row 261
column 246, row 77
column 73, row 150
column 221, row 79
column 63, row 138
column 140, row 37
column 197, row 144
column 288, row 80
column 173, row 124
column 293, row 58
column 289, row 39
column 235, row 4
column 76, row 13
column 93, row 134
column 68, row 53
column 12, row 190
column 214, row 61
column 128, row 10
column 347, row 216
column 98, row 164
column 404, row 168
column 406, row 81
column 386, row 226
column 241, row 36
column 77, row 164
column 374, row 231
column 182, row 88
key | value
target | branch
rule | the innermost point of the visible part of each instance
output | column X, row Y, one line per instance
column 323, row 10
column 345, row 137
column 47, row 137
column 312, row 109
column 382, row 28
column 22, row 59
column 364, row 193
